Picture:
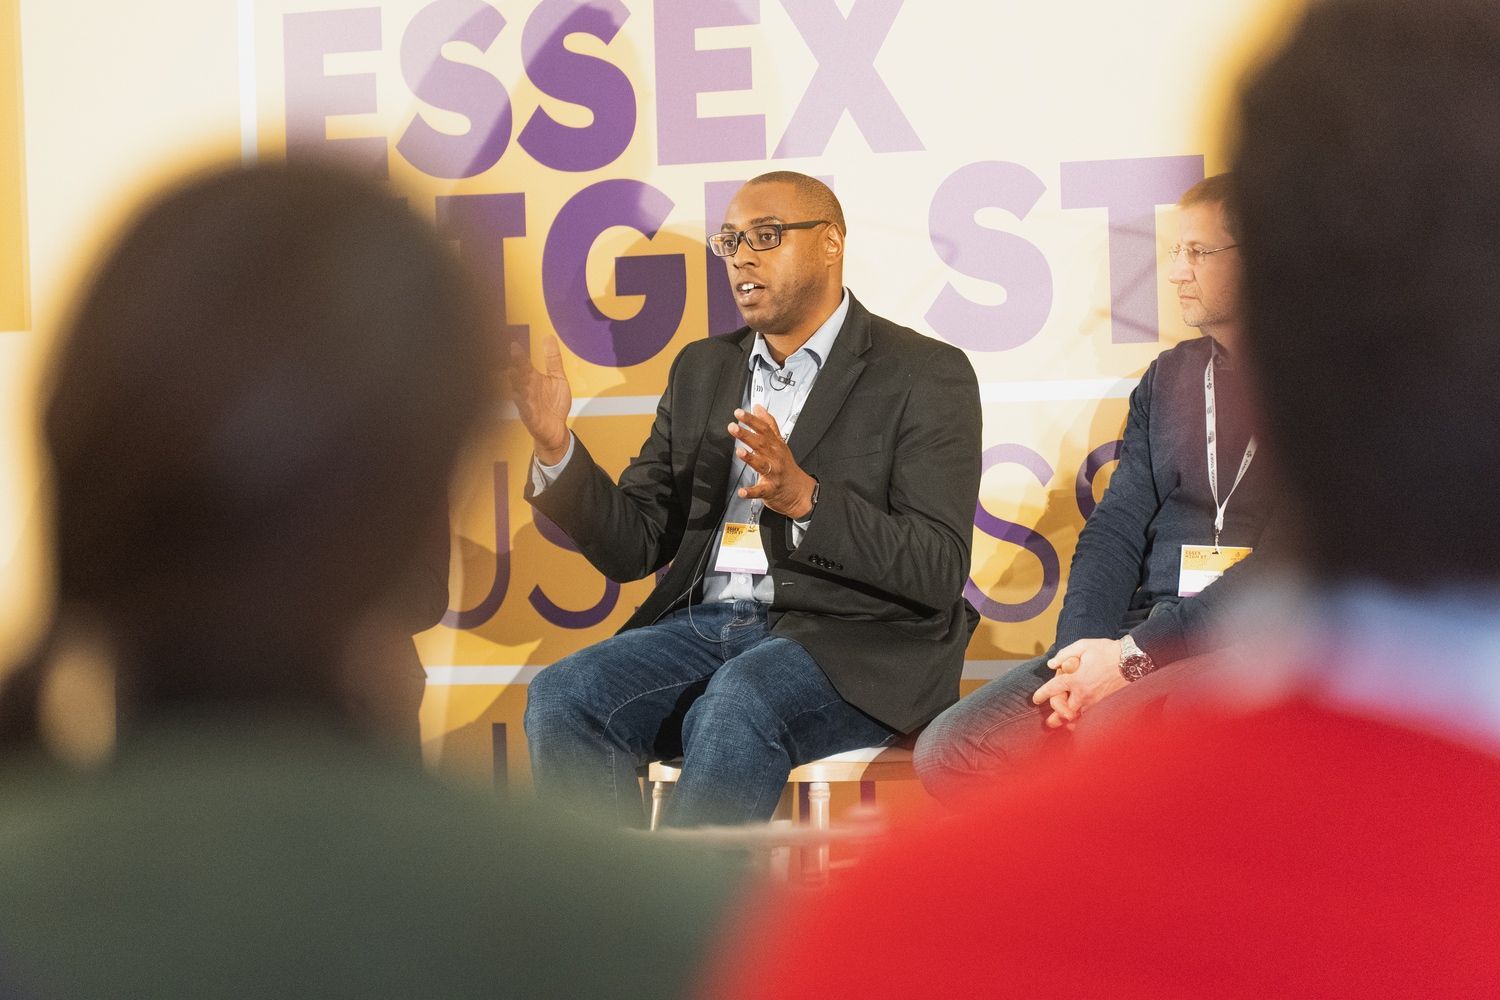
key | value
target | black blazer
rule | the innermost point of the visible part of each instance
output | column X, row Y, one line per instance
column 874, row 592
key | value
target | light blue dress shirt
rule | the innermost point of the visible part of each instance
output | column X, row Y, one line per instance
column 783, row 391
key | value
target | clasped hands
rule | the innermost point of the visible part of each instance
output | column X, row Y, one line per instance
column 782, row 485
column 1086, row 672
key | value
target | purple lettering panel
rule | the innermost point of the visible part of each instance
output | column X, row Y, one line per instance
column 1016, row 534
column 486, row 609
column 544, row 605
column 481, row 223
column 846, row 79
column 683, row 72
column 312, row 97
column 467, row 90
column 1083, row 488
column 661, row 278
column 1006, row 259
column 1130, row 190
column 578, row 79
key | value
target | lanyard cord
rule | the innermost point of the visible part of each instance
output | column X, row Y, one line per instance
column 1213, row 453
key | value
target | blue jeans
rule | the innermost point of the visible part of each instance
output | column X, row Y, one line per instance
column 990, row 733
column 996, row 732
column 707, row 684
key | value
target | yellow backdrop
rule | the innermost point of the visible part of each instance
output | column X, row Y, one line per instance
column 1007, row 171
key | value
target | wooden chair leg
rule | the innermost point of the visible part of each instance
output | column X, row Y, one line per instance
column 818, row 796
column 659, row 792
column 779, row 859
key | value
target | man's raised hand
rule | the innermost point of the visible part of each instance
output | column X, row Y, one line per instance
column 782, row 485
column 542, row 399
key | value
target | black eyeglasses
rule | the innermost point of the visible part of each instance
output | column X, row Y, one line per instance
column 763, row 237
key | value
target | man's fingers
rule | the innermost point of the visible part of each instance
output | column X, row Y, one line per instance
column 1069, row 665
column 1056, row 721
column 748, row 435
column 553, row 354
column 1047, row 691
column 757, row 462
column 759, row 421
column 1070, row 650
column 773, row 427
column 1066, row 707
column 518, row 365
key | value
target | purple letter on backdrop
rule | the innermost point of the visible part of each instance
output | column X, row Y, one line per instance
column 846, row 78
column 559, row 616
column 481, row 223
column 1004, row 258
column 1097, row 459
column 578, row 79
column 1026, row 538
column 468, row 90
column 683, row 72
column 485, row 609
column 662, row 278
column 312, row 97
column 1131, row 190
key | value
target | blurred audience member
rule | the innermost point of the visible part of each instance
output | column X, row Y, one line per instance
column 254, row 418
column 384, row 680
column 1326, row 831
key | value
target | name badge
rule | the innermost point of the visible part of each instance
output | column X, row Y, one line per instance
column 1203, row 564
column 740, row 550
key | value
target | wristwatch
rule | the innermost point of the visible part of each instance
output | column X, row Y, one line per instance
column 1134, row 663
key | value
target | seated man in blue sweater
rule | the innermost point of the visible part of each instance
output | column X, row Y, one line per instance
column 1186, row 503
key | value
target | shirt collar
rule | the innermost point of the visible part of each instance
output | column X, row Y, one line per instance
column 818, row 345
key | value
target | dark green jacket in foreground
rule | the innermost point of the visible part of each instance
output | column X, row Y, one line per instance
column 223, row 860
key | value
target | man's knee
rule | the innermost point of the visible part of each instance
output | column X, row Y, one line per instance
column 733, row 709
column 931, row 755
column 983, row 733
column 556, row 695
column 953, row 748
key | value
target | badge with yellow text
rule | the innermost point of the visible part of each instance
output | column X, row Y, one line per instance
column 740, row 550
column 1203, row 564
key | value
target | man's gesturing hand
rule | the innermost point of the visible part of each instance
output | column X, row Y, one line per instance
column 782, row 485
column 542, row 399
column 1087, row 671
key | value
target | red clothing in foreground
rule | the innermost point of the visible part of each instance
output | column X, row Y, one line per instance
column 1292, row 852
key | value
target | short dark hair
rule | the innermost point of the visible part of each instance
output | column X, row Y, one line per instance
column 820, row 199
column 1214, row 190
column 255, row 413
column 1365, row 179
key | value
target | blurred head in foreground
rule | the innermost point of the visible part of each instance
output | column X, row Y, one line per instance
column 255, row 411
column 1365, row 179
column 1319, row 842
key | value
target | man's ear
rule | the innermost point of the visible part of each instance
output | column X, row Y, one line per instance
column 833, row 244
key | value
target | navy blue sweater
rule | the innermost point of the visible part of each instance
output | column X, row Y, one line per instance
column 1159, row 500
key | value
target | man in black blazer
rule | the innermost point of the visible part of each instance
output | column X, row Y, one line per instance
column 811, row 479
